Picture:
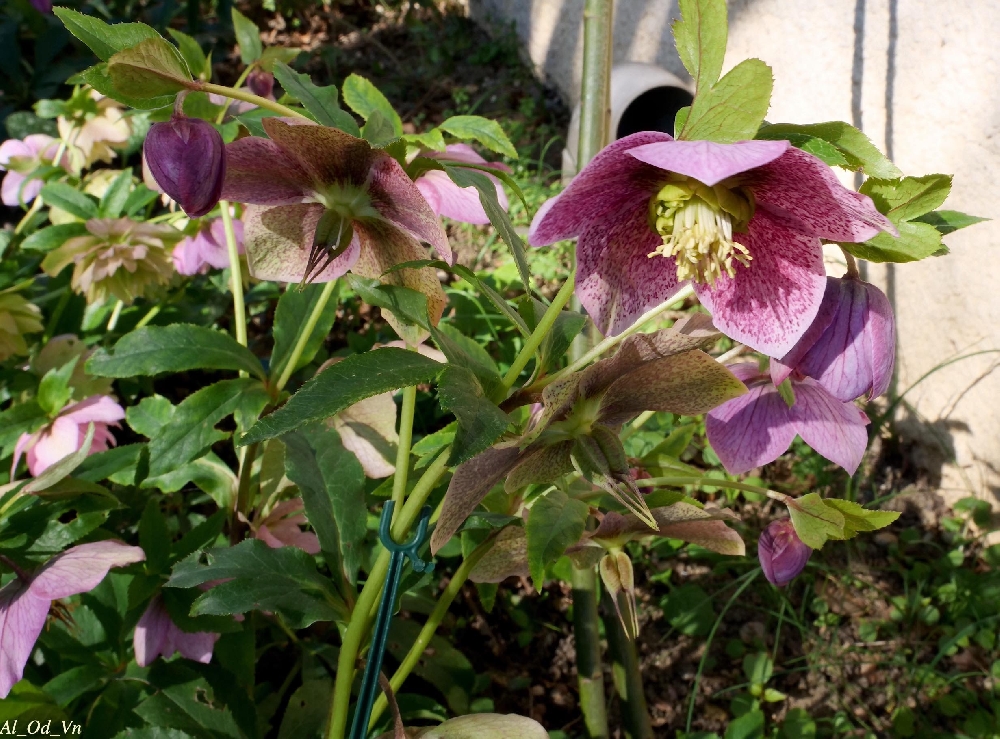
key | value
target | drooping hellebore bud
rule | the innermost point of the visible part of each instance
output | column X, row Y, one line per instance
column 850, row 348
column 187, row 158
column 781, row 552
column 616, row 573
column 261, row 83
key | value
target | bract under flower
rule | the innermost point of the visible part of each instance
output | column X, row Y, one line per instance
column 322, row 202
column 743, row 221
column 758, row 427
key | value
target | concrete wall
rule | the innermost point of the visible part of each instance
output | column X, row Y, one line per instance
column 922, row 79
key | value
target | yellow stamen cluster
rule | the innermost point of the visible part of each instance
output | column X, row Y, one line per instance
column 697, row 224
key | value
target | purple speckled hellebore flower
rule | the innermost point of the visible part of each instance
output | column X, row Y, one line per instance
column 24, row 603
column 782, row 554
column 448, row 199
column 322, row 202
column 187, row 158
column 756, row 428
column 743, row 221
column 850, row 349
column 156, row 634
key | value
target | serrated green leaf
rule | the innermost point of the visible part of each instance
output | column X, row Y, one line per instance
column 274, row 54
column 154, row 349
column 408, row 305
column 248, row 38
column 341, row 385
column 735, row 106
column 52, row 237
column 99, row 78
column 364, row 98
column 431, row 139
column 915, row 241
column 103, row 39
column 378, row 131
column 149, row 69
column 194, row 56
column 476, row 128
column 857, row 518
column 116, row 196
column 905, row 199
column 322, row 102
column 555, row 522
column 814, row 520
column 700, row 35
column 480, row 422
column 68, row 198
column 854, row 146
column 945, row 221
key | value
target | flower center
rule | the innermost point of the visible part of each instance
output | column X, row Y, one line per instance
column 697, row 223
column 351, row 202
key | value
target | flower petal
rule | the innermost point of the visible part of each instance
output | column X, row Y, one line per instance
column 451, row 201
column 12, row 192
column 259, row 171
column 368, row 430
column 327, row 155
column 59, row 440
column 15, row 148
column 196, row 646
column 616, row 280
column 80, row 569
column 804, row 190
column 383, row 246
column 22, row 617
column 782, row 369
column 95, row 409
column 751, row 430
column 686, row 384
column 151, row 633
column 833, row 428
column 610, row 180
column 399, row 200
column 707, row 161
column 882, row 337
column 279, row 239
column 771, row 303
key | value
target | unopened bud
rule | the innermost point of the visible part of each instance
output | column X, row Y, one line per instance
column 261, row 83
column 187, row 158
column 619, row 579
column 781, row 552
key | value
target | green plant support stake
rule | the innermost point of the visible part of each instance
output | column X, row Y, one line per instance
column 369, row 682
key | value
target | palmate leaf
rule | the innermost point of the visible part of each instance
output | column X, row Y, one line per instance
column 700, row 35
column 555, row 523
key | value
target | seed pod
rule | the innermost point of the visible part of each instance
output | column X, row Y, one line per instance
column 781, row 552
column 187, row 158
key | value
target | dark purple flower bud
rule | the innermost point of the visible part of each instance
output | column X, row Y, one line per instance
column 850, row 348
column 187, row 158
column 782, row 554
column 42, row 6
column 261, row 83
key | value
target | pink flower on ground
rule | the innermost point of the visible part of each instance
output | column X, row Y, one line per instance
column 743, row 221
column 66, row 433
column 24, row 603
column 756, row 428
column 19, row 159
column 850, row 349
column 781, row 552
column 195, row 254
column 156, row 635
column 281, row 528
column 454, row 202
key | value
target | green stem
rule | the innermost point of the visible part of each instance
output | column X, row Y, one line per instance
column 361, row 616
column 637, row 424
column 680, row 296
column 305, row 334
column 626, row 674
column 243, row 489
column 115, row 315
column 406, row 414
column 715, row 482
column 430, row 627
column 235, row 276
column 236, row 86
column 249, row 97
column 150, row 315
column 35, row 206
column 586, row 631
column 541, row 331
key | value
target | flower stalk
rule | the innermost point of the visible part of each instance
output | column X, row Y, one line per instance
column 626, row 674
column 541, row 331
column 236, row 277
column 403, row 449
column 249, row 97
column 303, row 338
column 586, row 631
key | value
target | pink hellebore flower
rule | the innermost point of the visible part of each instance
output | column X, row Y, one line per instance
column 281, row 528
column 66, row 433
column 454, row 202
column 756, row 428
column 24, row 603
column 322, row 202
column 850, row 349
column 195, row 254
column 19, row 158
column 781, row 552
column 156, row 634
column 743, row 221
